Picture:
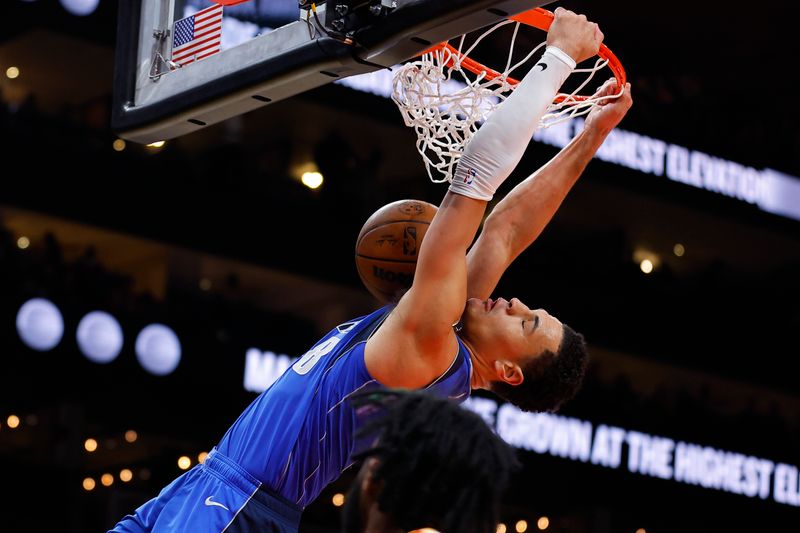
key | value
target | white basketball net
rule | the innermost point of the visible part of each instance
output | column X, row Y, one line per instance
column 446, row 110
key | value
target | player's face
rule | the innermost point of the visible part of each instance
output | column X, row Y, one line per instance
column 509, row 329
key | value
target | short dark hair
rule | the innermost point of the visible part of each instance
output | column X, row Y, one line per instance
column 550, row 379
column 439, row 465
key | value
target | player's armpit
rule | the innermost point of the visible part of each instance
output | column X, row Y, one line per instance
column 397, row 358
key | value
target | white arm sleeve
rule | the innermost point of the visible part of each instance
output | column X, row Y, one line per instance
column 498, row 145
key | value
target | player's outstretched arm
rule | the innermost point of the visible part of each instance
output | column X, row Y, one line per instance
column 416, row 343
column 518, row 220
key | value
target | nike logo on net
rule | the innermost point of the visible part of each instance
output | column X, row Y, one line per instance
column 543, row 65
column 211, row 502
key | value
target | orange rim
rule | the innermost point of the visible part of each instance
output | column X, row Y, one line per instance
column 536, row 18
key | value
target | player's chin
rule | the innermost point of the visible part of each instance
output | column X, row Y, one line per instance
column 474, row 305
column 474, row 309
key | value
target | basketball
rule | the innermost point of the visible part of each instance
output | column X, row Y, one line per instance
column 388, row 244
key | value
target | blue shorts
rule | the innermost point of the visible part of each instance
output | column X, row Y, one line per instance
column 216, row 496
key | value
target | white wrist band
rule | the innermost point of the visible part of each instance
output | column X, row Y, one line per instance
column 498, row 145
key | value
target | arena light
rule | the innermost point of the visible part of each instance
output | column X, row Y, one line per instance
column 40, row 324
column 131, row 436
column 543, row 523
column 648, row 261
column 338, row 499
column 80, row 8
column 521, row 526
column 90, row 445
column 679, row 250
column 88, row 484
column 501, row 528
column 107, row 480
column 118, row 145
column 125, row 475
column 641, row 530
column 23, row 242
column 201, row 457
column 184, row 462
column 312, row 180
column 12, row 421
column 307, row 173
column 12, row 73
column 99, row 337
column 158, row 349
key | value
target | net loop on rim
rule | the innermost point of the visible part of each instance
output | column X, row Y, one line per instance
column 445, row 95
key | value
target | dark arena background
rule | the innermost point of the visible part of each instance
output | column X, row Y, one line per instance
column 148, row 293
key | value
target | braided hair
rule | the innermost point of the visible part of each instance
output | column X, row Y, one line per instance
column 438, row 465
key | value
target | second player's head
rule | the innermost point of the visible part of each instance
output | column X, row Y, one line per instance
column 433, row 464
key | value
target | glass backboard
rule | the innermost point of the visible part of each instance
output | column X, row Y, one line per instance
column 184, row 64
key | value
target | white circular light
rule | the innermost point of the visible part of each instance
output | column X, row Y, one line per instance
column 80, row 8
column 158, row 349
column 312, row 180
column 100, row 337
column 646, row 266
column 40, row 324
column 184, row 462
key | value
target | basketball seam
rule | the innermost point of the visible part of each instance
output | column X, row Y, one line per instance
column 364, row 231
column 387, row 260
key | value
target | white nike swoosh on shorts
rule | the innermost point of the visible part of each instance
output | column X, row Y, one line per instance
column 211, row 502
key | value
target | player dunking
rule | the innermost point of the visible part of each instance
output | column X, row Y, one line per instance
column 298, row 436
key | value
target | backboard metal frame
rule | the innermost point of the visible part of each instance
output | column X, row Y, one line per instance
column 277, row 65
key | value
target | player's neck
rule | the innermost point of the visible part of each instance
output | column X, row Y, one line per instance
column 482, row 373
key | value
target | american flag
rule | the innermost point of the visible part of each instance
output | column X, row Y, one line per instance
column 197, row 36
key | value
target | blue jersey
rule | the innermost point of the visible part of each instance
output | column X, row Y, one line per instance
column 298, row 435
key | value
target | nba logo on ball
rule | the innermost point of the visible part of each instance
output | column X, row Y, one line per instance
column 388, row 244
column 410, row 241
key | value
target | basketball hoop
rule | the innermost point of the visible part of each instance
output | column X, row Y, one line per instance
column 445, row 95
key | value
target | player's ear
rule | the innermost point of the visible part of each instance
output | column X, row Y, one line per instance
column 508, row 372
